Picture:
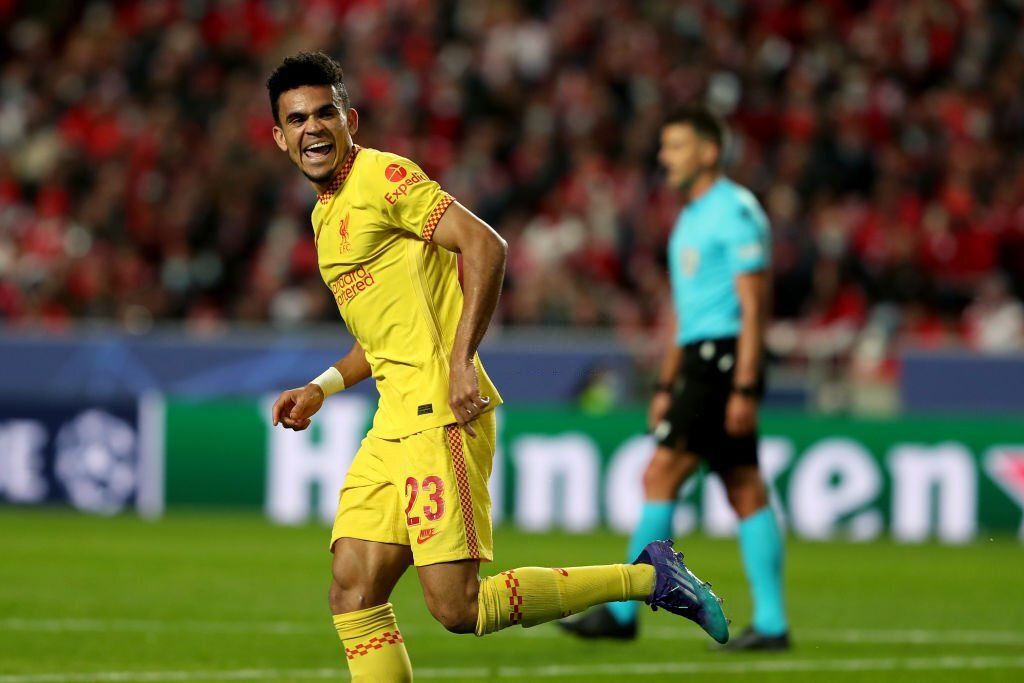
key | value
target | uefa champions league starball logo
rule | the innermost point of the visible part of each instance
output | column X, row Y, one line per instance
column 96, row 462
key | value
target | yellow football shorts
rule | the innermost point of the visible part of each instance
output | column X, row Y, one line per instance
column 427, row 491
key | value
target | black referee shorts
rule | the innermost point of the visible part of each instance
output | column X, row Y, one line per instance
column 695, row 421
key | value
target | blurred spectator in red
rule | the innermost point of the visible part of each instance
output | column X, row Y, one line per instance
column 138, row 181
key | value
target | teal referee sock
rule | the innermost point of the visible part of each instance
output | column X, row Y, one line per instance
column 762, row 550
column 655, row 525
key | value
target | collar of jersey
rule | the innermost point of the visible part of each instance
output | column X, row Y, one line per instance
column 339, row 178
column 713, row 190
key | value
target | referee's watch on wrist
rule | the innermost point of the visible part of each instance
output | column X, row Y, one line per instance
column 748, row 390
column 663, row 386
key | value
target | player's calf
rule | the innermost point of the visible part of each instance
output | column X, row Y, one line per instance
column 528, row 596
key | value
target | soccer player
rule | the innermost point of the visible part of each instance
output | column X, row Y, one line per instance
column 705, row 404
column 416, row 493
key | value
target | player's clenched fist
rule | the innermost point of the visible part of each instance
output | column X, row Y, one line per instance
column 294, row 408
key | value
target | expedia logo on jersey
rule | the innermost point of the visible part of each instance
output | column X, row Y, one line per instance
column 352, row 283
column 404, row 183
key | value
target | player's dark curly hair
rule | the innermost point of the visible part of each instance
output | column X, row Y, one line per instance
column 307, row 68
column 706, row 124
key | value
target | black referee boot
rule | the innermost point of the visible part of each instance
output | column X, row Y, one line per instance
column 598, row 622
column 752, row 641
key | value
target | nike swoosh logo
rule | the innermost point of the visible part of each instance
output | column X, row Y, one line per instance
column 425, row 536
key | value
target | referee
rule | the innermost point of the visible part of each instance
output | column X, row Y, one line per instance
column 706, row 401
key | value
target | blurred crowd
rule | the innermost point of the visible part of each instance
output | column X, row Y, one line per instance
column 139, row 181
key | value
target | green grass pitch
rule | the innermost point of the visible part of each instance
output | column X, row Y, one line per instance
column 211, row 597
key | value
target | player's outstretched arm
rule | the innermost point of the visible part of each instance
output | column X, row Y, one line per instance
column 483, row 269
column 295, row 408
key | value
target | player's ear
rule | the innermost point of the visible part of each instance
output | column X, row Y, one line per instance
column 352, row 118
column 282, row 144
column 709, row 153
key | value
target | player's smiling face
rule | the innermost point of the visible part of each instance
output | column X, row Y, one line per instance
column 314, row 130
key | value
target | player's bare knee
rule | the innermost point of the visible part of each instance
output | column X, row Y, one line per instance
column 455, row 617
column 455, row 609
column 338, row 599
column 348, row 597
column 451, row 591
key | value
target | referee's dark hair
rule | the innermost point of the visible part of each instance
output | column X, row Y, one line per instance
column 705, row 123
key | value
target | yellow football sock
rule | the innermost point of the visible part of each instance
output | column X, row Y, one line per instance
column 533, row 595
column 373, row 645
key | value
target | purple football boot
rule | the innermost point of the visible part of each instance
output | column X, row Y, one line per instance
column 679, row 591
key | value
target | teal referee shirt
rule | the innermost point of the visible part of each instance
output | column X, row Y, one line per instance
column 718, row 236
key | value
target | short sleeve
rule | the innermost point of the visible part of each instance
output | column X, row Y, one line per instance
column 747, row 240
column 412, row 201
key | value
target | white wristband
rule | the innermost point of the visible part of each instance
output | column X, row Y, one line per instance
column 330, row 380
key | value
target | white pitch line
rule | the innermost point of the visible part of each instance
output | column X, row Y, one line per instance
column 602, row 670
column 823, row 635
column 154, row 676
column 915, row 637
column 766, row 666
column 873, row 636
column 151, row 625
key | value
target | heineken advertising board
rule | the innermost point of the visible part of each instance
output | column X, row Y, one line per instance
column 911, row 478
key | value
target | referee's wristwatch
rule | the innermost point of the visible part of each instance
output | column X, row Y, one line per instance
column 748, row 390
column 663, row 386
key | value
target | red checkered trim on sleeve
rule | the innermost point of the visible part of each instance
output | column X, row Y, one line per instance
column 375, row 643
column 515, row 600
column 465, row 493
column 435, row 216
column 341, row 176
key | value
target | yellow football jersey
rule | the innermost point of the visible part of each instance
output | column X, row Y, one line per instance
column 398, row 292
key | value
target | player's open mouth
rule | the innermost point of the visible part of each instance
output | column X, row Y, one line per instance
column 318, row 151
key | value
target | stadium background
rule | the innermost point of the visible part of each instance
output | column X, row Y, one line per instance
column 157, row 285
